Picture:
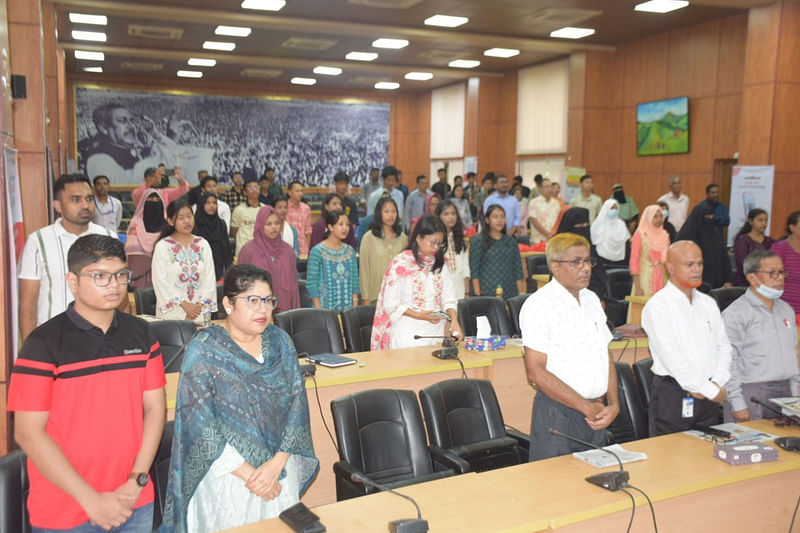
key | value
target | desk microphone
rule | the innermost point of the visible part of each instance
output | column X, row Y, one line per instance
column 403, row 525
column 612, row 481
column 448, row 352
column 790, row 418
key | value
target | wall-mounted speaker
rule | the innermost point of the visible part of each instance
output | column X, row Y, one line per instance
column 19, row 87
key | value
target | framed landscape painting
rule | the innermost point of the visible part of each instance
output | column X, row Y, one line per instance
column 663, row 127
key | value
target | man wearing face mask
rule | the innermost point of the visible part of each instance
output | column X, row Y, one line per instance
column 628, row 211
column 691, row 351
column 763, row 334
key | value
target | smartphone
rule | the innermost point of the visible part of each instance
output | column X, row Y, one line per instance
column 713, row 431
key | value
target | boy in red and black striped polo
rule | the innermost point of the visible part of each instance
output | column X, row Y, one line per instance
column 88, row 391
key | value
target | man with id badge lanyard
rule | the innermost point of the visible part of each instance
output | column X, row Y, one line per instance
column 691, row 351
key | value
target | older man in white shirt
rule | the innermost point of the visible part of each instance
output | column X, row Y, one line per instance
column 691, row 351
column 678, row 203
column 566, row 340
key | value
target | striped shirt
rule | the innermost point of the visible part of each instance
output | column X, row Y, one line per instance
column 791, row 263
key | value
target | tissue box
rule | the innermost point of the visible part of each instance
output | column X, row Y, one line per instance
column 745, row 453
column 495, row 342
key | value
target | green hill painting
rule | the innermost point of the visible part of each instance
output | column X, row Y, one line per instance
column 663, row 127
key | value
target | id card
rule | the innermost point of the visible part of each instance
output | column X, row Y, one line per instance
column 687, row 409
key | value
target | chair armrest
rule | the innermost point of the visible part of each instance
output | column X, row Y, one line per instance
column 523, row 443
column 445, row 459
column 346, row 487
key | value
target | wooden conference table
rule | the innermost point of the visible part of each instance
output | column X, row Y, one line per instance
column 690, row 489
column 415, row 369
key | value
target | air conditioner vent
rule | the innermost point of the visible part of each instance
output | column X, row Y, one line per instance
column 304, row 43
column 386, row 4
column 142, row 66
column 162, row 33
column 261, row 72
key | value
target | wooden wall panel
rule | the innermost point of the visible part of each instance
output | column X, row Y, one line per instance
column 763, row 33
column 471, row 117
column 693, row 61
column 630, row 161
column 23, row 12
column 575, row 139
column 602, row 141
column 756, row 125
column 577, row 80
column 603, row 76
column 4, row 426
column 789, row 50
column 701, row 134
column 645, row 69
column 727, row 118
column 497, row 119
column 732, row 47
column 411, row 137
column 27, row 61
column 785, row 196
column 785, row 149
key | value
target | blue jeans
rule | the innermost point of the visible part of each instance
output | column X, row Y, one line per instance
column 141, row 521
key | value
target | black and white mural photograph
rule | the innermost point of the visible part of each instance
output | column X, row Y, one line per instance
column 122, row 133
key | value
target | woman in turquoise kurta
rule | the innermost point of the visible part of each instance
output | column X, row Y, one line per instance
column 494, row 259
column 332, row 273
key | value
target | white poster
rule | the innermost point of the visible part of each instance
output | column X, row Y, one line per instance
column 16, row 235
column 751, row 187
column 573, row 182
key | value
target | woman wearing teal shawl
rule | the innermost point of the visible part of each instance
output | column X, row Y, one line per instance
column 242, row 450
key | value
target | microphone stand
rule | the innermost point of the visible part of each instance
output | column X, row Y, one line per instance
column 403, row 525
column 612, row 481
column 792, row 419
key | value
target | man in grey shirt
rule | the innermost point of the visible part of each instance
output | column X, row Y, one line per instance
column 763, row 333
column 415, row 202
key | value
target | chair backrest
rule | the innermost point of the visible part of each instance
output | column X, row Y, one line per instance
column 159, row 472
column 493, row 308
column 631, row 423
column 461, row 411
column 537, row 264
column 305, row 298
column 14, row 490
column 173, row 335
column 220, row 314
column 644, row 379
column 514, row 307
column 724, row 296
column 619, row 282
column 145, row 300
column 380, row 433
column 357, row 327
column 312, row 330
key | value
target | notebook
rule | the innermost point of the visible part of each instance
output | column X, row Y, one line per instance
column 331, row 360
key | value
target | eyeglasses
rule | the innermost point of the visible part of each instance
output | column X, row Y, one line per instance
column 103, row 279
column 578, row 262
column 254, row 302
column 774, row 274
column 437, row 244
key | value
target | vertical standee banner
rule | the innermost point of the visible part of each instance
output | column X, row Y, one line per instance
column 751, row 187
column 16, row 235
column 572, row 182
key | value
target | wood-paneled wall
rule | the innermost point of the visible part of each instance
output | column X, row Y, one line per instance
column 497, row 124
column 704, row 62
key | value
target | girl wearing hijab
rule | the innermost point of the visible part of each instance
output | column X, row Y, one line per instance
column 143, row 232
column 610, row 234
column 208, row 225
column 649, row 253
column 432, row 202
column 270, row 252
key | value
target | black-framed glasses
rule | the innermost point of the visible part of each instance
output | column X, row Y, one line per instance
column 774, row 274
column 254, row 302
column 103, row 279
column 579, row 262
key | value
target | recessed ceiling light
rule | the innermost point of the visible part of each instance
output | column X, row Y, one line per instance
column 89, row 56
column 189, row 74
column 201, row 62
column 394, row 44
column 419, row 76
column 568, row 32
column 501, row 52
column 82, row 18
column 93, row 69
column 661, row 6
column 97, row 36
column 304, row 81
column 446, row 20
column 328, row 71
column 264, row 5
column 361, row 56
column 464, row 63
column 233, row 31
column 387, row 85
column 216, row 45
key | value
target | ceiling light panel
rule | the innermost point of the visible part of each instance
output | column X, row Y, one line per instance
column 264, row 5
column 464, row 63
column 93, row 69
column 361, row 56
column 419, row 76
column 446, row 21
column 216, row 45
column 661, row 6
column 304, row 81
column 190, row 74
column 505, row 53
column 569, row 32
column 394, row 44
column 82, row 18
column 89, row 56
column 327, row 71
column 387, row 85
column 233, row 31
column 201, row 62
column 96, row 36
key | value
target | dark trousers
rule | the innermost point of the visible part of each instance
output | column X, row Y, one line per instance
column 763, row 390
column 548, row 413
column 666, row 408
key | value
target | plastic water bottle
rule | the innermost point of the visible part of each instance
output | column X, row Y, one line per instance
column 498, row 292
column 206, row 313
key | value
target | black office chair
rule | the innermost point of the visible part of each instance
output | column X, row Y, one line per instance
column 631, row 423
column 220, row 314
column 381, row 437
column 312, row 330
column 145, row 300
column 724, row 296
column 14, row 489
column 619, row 285
column 644, row 379
column 159, row 473
column 173, row 335
column 514, row 307
column 492, row 308
column 305, row 297
column 537, row 264
column 357, row 327
column 302, row 268
column 463, row 416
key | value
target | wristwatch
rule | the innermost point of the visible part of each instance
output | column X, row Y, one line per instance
column 141, row 478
